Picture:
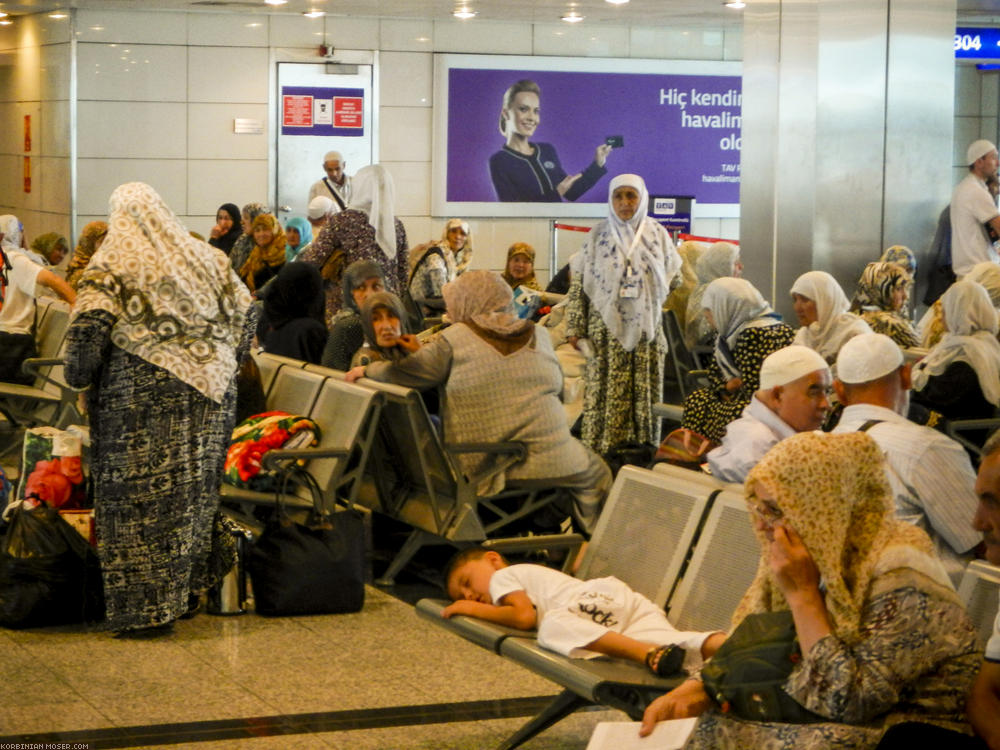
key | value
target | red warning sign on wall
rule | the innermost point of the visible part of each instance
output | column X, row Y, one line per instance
column 296, row 111
column 348, row 112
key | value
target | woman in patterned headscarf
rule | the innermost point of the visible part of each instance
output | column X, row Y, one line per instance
column 884, row 636
column 366, row 230
column 267, row 255
column 387, row 338
column 91, row 237
column 748, row 331
column 822, row 309
column 882, row 292
column 244, row 244
column 520, row 267
column 627, row 264
column 500, row 377
column 718, row 260
column 159, row 326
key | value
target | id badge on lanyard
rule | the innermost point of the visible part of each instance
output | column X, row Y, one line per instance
column 630, row 283
column 629, row 288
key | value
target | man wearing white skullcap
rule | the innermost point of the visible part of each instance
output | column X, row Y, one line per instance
column 972, row 208
column 931, row 476
column 336, row 185
column 794, row 383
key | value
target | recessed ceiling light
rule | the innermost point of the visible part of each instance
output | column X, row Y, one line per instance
column 736, row 4
column 617, row 2
column 275, row 2
column 314, row 14
column 2, row 14
column 5, row 22
column 464, row 13
column 58, row 14
column 572, row 17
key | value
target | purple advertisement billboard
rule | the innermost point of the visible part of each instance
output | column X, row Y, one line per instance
column 679, row 131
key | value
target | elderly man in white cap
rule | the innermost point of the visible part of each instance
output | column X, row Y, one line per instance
column 793, row 397
column 931, row 476
column 336, row 185
column 972, row 208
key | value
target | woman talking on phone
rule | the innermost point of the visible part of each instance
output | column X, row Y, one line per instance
column 523, row 171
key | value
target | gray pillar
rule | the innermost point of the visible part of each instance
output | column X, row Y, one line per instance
column 847, row 135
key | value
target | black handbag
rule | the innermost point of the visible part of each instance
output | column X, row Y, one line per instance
column 312, row 568
column 14, row 349
column 746, row 676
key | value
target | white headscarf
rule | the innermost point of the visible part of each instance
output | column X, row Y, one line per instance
column 11, row 228
column 610, row 249
column 987, row 275
column 736, row 305
column 177, row 302
column 833, row 325
column 373, row 192
column 972, row 338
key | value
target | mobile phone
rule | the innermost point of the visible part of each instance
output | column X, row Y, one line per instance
column 615, row 141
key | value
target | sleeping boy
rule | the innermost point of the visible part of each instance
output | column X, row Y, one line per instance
column 579, row 619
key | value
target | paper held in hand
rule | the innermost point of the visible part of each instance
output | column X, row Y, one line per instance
column 624, row 735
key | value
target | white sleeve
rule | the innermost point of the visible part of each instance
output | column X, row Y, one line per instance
column 944, row 479
column 24, row 273
column 504, row 582
column 981, row 206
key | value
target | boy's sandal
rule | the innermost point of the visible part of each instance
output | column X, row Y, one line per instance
column 665, row 660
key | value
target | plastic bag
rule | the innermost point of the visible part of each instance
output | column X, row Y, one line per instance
column 48, row 574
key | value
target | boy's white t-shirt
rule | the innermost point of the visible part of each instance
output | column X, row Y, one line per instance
column 544, row 586
column 18, row 312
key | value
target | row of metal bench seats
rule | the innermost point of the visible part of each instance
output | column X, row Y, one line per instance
column 380, row 449
column 686, row 542
column 48, row 400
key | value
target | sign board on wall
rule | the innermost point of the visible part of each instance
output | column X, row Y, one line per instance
column 310, row 110
column 679, row 122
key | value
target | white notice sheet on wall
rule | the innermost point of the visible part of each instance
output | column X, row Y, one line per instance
column 624, row 735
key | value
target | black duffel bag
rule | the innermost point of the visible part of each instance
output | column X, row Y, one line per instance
column 313, row 568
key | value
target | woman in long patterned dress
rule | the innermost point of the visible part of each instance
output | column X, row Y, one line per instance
column 884, row 636
column 616, row 302
column 880, row 298
column 366, row 230
column 749, row 330
column 159, row 325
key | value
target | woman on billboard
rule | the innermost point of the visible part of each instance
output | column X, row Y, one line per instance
column 523, row 171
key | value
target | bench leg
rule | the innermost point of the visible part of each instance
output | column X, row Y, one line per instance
column 565, row 703
column 414, row 541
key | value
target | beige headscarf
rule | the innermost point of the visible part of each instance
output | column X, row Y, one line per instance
column 177, row 302
column 484, row 299
column 463, row 257
column 832, row 489
column 971, row 337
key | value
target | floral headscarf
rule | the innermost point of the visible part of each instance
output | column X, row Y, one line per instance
column 177, row 303
column 90, row 237
column 901, row 256
column 873, row 301
column 832, row 489
column 614, row 246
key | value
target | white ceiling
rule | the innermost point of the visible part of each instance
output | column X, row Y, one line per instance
column 687, row 13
